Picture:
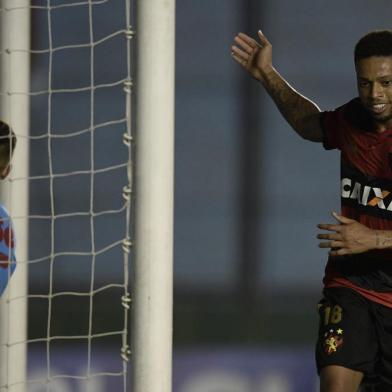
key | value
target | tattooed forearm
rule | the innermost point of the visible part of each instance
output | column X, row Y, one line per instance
column 294, row 107
column 383, row 239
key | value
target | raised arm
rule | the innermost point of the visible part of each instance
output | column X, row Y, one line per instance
column 301, row 113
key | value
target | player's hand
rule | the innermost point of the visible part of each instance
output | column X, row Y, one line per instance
column 255, row 57
column 347, row 237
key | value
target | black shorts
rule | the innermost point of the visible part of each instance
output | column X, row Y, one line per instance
column 356, row 333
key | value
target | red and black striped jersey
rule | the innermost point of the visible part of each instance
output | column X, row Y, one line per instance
column 366, row 196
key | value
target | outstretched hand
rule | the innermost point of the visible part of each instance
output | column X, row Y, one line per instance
column 255, row 57
column 347, row 237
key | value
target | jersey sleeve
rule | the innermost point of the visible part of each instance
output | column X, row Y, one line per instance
column 332, row 126
column 7, row 249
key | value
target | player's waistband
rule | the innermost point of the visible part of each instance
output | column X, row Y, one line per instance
column 383, row 298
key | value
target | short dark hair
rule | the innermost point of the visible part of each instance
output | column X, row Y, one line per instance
column 374, row 43
column 7, row 142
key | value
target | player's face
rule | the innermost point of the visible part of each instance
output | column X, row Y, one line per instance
column 4, row 171
column 374, row 78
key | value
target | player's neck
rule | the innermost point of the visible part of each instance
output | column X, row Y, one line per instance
column 383, row 126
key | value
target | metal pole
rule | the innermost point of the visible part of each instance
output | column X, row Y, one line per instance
column 14, row 109
column 153, row 267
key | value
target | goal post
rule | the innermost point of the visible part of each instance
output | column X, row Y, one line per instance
column 153, row 265
column 14, row 109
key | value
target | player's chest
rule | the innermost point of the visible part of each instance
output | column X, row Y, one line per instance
column 366, row 175
column 370, row 154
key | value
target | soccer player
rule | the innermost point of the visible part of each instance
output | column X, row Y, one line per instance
column 7, row 242
column 354, row 344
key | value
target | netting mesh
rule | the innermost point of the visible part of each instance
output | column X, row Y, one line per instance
column 80, row 177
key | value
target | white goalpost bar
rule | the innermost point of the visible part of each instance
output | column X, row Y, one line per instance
column 153, row 265
column 14, row 109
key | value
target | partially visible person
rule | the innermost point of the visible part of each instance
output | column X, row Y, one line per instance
column 354, row 344
column 7, row 239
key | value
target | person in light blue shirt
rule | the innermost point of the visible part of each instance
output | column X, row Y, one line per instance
column 7, row 238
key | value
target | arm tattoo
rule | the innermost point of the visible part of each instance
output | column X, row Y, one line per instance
column 292, row 105
column 384, row 239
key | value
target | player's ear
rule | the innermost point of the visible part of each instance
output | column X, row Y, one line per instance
column 4, row 172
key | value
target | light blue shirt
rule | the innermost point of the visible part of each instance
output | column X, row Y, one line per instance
column 7, row 249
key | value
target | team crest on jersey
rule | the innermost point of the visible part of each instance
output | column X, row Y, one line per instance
column 333, row 340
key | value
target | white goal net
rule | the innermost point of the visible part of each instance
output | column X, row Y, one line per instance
column 79, row 205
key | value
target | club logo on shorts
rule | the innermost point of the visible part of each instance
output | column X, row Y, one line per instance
column 333, row 340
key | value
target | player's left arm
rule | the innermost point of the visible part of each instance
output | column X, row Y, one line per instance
column 351, row 237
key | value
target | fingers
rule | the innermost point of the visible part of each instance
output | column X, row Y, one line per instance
column 239, row 53
column 331, row 244
column 250, row 41
column 333, row 236
column 248, row 47
column 263, row 38
column 329, row 227
column 249, row 44
column 247, row 40
column 244, row 50
column 239, row 56
column 336, row 239
column 339, row 252
column 341, row 218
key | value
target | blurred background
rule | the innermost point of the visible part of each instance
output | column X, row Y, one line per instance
column 78, row 216
column 250, row 192
column 248, row 195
